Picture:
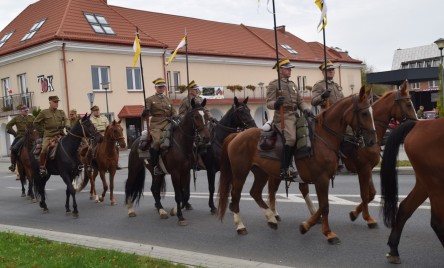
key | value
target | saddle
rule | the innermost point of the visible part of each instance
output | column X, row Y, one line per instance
column 52, row 147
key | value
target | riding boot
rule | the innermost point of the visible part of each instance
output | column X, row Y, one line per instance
column 13, row 161
column 42, row 161
column 288, row 172
column 155, row 162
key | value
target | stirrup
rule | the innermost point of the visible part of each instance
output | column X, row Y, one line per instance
column 12, row 168
column 43, row 171
column 288, row 175
column 158, row 170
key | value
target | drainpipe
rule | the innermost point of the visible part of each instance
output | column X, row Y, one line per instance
column 164, row 69
column 66, row 76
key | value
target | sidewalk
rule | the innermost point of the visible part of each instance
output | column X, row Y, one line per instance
column 193, row 259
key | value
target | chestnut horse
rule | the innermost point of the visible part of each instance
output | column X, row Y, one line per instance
column 27, row 164
column 240, row 155
column 106, row 160
column 178, row 161
column 423, row 144
column 394, row 104
column 66, row 163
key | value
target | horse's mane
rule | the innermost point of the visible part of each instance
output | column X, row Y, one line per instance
column 320, row 118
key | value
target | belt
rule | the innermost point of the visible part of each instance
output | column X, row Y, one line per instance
column 160, row 115
column 290, row 108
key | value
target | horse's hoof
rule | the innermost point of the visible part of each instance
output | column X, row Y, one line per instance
column 272, row 225
column 113, row 203
column 183, row 223
column 278, row 217
column 91, row 198
column 163, row 214
column 189, row 207
column 302, row 228
column 97, row 200
column 75, row 215
column 23, row 195
column 101, row 199
column 372, row 225
column 334, row 241
column 352, row 216
column 45, row 211
column 213, row 211
column 132, row 214
column 393, row 259
column 242, row 231
column 68, row 213
column 34, row 200
column 173, row 212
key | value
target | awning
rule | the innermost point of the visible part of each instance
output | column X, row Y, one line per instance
column 396, row 77
column 131, row 111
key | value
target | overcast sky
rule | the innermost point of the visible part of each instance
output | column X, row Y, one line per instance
column 370, row 30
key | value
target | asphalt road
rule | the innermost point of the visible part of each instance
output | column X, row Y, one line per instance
column 359, row 246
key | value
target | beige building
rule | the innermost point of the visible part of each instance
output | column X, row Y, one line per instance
column 78, row 48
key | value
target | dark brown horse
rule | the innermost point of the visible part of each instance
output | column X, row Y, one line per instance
column 178, row 161
column 423, row 144
column 66, row 163
column 26, row 162
column 106, row 160
column 395, row 104
column 240, row 155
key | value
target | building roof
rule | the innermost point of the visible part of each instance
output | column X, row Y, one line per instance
column 129, row 111
column 66, row 20
column 413, row 54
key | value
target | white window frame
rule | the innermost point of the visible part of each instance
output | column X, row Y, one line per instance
column 133, row 79
column 176, row 78
column 99, row 23
column 434, row 83
column 5, row 38
column 415, row 85
column 33, row 30
column 101, row 79
column 7, row 100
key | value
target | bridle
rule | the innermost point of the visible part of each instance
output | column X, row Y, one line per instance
column 404, row 113
column 84, row 133
column 237, row 111
column 114, row 139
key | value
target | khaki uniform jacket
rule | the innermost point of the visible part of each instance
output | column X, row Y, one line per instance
column 100, row 122
column 73, row 121
column 161, row 108
column 20, row 123
column 185, row 106
column 292, row 102
column 335, row 94
column 51, row 122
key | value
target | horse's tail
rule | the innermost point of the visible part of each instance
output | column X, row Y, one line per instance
column 38, row 180
column 389, row 175
column 226, row 178
column 136, row 175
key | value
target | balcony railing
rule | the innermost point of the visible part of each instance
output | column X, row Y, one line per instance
column 11, row 102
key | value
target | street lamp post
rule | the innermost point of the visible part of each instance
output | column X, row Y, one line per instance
column 105, row 86
column 261, row 86
column 440, row 44
column 352, row 86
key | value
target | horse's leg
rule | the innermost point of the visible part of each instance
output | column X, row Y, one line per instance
column 437, row 220
column 260, row 179
column 186, row 198
column 41, row 190
column 179, row 193
column 105, row 187
column 156, row 186
column 406, row 208
column 112, row 173
column 273, row 186
column 239, row 177
column 67, row 207
column 303, row 188
column 211, row 175
column 21, row 174
column 92, row 191
column 365, row 179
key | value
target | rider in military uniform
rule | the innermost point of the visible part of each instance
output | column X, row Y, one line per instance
column 73, row 117
column 160, row 109
column 290, row 100
column 50, row 123
column 323, row 96
column 20, row 122
column 185, row 105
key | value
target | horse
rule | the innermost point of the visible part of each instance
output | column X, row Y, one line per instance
column 106, row 160
column 178, row 161
column 240, row 155
column 26, row 162
column 394, row 104
column 66, row 163
column 236, row 119
column 423, row 143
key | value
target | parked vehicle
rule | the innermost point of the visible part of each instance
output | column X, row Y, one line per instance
column 392, row 125
column 430, row 115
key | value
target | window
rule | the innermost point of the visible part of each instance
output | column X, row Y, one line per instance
column 23, row 89
column 176, row 78
column 415, row 85
column 420, row 64
column 428, row 63
column 33, row 30
column 434, row 83
column 168, row 80
column 404, row 66
column 133, row 78
column 5, row 38
column 412, row 65
column 289, row 49
column 99, row 23
column 100, row 75
column 299, row 80
column 7, row 91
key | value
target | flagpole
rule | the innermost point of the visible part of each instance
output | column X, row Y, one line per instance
column 324, row 72
column 281, row 109
column 141, row 68
column 186, row 62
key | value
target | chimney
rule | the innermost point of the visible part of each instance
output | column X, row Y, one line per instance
column 281, row 28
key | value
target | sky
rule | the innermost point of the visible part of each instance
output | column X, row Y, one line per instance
column 369, row 30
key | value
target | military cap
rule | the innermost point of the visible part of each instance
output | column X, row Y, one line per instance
column 329, row 66
column 72, row 111
column 95, row 108
column 54, row 98
column 24, row 108
column 193, row 85
column 159, row 82
column 284, row 63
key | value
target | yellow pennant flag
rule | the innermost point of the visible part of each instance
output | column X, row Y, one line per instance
column 323, row 7
column 136, row 48
column 182, row 43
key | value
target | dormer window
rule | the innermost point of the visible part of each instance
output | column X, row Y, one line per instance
column 289, row 49
column 5, row 38
column 99, row 24
column 33, row 30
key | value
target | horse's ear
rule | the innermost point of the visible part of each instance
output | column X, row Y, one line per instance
column 204, row 102
column 362, row 92
column 236, row 101
column 85, row 116
column 404, row 86
column 246, row 100
column 118, row 122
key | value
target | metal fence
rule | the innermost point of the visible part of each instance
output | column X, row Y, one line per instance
column 11, row 102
